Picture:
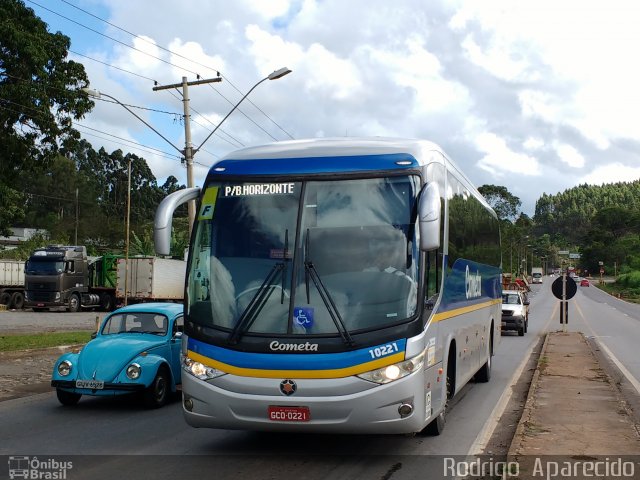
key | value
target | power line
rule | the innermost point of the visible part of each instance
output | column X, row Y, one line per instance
column 112, row 66
column 205, row 118
column 148, row 148
column 164, row 154
column 149, row 109
column 172, row 53
column 112, row 38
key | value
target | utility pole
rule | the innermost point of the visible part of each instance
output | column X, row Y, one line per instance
column 188, row 146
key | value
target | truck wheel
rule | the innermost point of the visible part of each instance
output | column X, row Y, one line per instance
column 156, row 394
column 17, row 300
column 521, row 330
column 5, row 298
column 106, row 302
column 74, row 303
column 67, row 398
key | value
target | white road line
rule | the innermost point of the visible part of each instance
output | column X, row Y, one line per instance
column 629, row 376
column 479, row 444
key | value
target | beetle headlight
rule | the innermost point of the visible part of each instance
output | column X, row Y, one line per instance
column 64, row 368
column 133, row 371
column 200, row 370
column 395, row 371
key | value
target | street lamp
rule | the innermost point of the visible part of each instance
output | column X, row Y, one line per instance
column 275, row 75
column 98, row 94
column 189, row 152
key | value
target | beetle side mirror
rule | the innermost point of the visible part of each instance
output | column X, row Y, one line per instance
column 94, row 335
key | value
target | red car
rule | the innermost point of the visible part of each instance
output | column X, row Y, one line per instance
column 584, row 282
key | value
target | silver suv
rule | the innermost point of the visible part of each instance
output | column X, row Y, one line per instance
column 515, row 311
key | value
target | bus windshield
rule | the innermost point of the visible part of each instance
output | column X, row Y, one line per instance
column 303, row 258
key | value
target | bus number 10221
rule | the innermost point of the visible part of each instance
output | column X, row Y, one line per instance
column 384, row 350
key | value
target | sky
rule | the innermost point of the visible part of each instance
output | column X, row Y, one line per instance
column 537, row 96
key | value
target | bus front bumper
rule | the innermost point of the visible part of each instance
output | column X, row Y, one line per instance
column 356, row 406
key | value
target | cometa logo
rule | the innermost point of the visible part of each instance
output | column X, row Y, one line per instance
column 293, row 347
column 473, row 284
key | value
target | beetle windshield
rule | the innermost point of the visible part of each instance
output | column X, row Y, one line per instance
column 300, row 258
column 143, row 322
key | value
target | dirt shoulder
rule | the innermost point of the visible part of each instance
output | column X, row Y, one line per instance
column 573, row 407
column 27, row 372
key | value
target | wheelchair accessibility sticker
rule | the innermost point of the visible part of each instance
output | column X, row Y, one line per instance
column 303, row 317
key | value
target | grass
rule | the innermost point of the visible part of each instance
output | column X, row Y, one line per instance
column 620, row 291
column 10, row 343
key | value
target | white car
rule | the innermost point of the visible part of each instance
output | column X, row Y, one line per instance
column 515, row 311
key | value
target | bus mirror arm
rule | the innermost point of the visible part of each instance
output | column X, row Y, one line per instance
column 429, row 217
column 164, row 217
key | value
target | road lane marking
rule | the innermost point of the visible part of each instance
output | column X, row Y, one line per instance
column 629, row 376
column 480, row 443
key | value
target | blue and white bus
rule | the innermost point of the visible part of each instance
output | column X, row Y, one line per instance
column 336, row 285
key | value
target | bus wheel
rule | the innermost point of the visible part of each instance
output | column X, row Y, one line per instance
column 484, row 374
column 436, row 427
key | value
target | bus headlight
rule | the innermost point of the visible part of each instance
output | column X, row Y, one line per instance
column 200, row 370
column 395, row 371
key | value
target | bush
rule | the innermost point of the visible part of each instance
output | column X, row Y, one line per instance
column 629, row 280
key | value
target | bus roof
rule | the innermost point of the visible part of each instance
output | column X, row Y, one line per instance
column 338, row 146
column 339, row 154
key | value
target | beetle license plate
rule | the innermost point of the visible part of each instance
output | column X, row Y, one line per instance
column 92, row 384
column 289, row 414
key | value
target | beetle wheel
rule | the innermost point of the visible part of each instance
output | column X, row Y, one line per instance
column 67, row 398
column 156, row 394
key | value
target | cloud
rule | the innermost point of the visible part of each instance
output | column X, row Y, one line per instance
column 500, row 160
column 569, row 155
column 504, row 87
column 611, row 173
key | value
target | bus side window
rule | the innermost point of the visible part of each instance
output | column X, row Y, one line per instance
column 433, row 277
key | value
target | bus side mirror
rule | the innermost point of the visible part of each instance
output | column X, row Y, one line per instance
column 164, row 217
column 429, row 217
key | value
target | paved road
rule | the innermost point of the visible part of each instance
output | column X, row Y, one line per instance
column 39, row 425
column 109, row 431
column 614, row 324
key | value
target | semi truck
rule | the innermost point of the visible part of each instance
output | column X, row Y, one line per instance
column 64, row 276
column 12, row 283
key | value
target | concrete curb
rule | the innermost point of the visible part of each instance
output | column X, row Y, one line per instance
column 528, row 406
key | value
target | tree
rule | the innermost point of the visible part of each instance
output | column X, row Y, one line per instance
column 40, row 96
column 503, row 202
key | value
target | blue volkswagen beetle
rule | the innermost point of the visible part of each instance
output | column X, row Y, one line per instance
column 136, row 349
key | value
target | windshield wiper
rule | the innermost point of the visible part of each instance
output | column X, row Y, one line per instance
column 256, row 304
column 310, row 271
column 285, row 258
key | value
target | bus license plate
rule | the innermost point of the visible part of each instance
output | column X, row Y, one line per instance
column 289, row 414
column 92, row 384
